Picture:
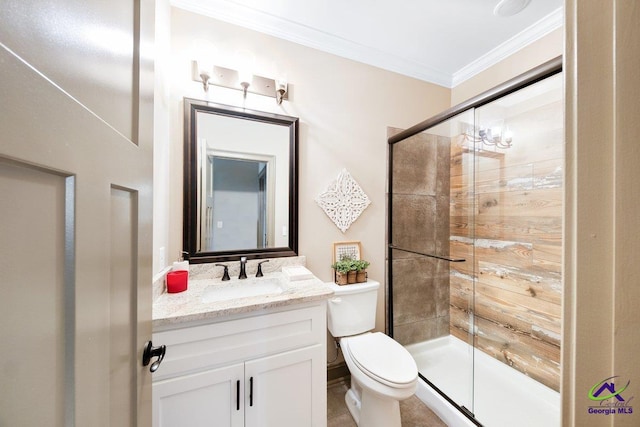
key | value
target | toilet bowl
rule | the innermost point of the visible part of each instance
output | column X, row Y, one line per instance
column 382, row 371
column 382, row 374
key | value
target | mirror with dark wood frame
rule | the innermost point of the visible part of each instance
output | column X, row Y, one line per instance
column 240, row 183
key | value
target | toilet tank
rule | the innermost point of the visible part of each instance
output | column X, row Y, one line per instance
column 352, row 308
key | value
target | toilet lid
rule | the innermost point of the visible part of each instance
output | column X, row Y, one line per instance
column 382, row 358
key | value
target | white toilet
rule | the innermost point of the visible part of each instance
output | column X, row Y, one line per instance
column 382, row 371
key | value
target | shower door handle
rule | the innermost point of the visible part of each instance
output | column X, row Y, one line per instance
column 444, row 258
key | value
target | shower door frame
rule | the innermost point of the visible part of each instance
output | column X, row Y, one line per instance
column 541, row 72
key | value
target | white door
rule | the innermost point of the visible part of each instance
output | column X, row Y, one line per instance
column 209, row 398
column 281, row 390
column 75, row 211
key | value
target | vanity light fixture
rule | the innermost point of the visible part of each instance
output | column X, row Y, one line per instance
column 492, row 137
column 245, row 78
column 239, row 80
column 281, row 90
column 495, row 137
column 204, row 70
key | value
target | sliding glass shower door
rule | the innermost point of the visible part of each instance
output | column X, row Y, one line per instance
column 430, row 170
column 474, row 262
column 518, row 242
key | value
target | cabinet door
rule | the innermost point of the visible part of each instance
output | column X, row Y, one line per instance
column 209, row 398
column 287, row 389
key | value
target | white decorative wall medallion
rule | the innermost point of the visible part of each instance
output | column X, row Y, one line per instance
column 343, row 201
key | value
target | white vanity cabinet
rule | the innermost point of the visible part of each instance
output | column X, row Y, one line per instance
column 208, row 398
column 266, row 369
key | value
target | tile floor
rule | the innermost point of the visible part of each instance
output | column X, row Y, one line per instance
column 414, row 413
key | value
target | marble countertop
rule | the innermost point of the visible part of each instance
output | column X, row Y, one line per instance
column 190, row 305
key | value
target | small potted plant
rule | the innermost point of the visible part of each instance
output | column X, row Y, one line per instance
column 345, row 270
column 361, row 270
column 342, row 269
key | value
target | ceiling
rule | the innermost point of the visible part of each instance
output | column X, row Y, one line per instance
column 440, row 41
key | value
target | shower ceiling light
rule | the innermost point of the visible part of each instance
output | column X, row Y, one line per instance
column 507, row 8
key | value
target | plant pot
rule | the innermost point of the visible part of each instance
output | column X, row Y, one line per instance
column 361, row 276
column 341, row 278
column 351, row 277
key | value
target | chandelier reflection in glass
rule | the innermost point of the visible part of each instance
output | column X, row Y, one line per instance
column 492, row 137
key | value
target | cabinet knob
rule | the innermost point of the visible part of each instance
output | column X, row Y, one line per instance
column 150, row 352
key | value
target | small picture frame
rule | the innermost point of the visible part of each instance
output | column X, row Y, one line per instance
column 351, row 249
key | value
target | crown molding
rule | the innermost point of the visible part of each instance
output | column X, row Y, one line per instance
column 247, row 17
column 546, row 25
column 263, row 22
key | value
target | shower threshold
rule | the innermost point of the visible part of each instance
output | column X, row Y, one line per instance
column 503, row 397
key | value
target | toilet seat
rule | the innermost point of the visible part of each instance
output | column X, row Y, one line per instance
column 383, row 359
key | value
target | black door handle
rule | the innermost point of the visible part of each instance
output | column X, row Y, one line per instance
column 149, row 352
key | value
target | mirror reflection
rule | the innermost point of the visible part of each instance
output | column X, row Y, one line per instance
column 239, row 182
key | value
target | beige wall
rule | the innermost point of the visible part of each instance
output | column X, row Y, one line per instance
column 344, row 109
column 548, row 47
column 161, row 141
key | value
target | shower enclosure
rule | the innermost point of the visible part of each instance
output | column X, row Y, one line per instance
column 475, row 209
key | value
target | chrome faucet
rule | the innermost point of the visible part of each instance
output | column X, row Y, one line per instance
column 243, row 268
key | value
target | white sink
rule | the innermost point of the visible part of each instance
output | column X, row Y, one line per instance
column 235, row 289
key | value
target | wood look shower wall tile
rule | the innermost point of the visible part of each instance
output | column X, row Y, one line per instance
column 512, row 222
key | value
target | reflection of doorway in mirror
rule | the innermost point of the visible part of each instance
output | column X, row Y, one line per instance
column 263, row 238
column 238, row 201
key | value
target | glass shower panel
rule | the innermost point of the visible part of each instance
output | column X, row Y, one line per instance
column 519, row 143
column 431, row 258
column 475, row 281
